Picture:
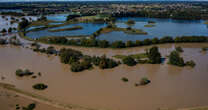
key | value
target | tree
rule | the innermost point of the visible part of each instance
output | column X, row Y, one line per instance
column 118, row 44
column 69, row 56
column 129, row 44
column 23, row 24
column 3, row 30
column 103, row 44
column 175, row 59
column 129, row 61
column 10, row 30
column 154, row 55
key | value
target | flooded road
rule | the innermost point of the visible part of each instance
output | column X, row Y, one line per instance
column 170, row 87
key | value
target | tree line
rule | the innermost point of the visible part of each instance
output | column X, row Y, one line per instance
column 92, row 42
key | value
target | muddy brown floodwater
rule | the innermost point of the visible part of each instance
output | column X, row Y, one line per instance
column 171, row 86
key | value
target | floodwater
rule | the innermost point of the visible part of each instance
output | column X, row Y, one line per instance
column 171, row 86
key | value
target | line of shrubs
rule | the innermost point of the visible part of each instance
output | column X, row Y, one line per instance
column 80, row 62
column 92, row 42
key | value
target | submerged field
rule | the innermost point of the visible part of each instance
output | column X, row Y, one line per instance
column 171, row 86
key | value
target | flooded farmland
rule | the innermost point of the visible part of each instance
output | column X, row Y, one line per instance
column 170, row 87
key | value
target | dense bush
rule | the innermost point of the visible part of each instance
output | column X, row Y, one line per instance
column 40, row 86
column 68, row 56
column 22, row 73
column 129, row 61
column 175, row 59
column 154, row 55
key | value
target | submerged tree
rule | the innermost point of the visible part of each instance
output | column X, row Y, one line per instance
column 154, row 55
column 129, row 61
column 175, row 59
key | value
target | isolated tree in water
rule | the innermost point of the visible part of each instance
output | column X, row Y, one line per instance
column 154, row 55
column 175, row 59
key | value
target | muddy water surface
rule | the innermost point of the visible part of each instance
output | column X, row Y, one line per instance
column 171, row 86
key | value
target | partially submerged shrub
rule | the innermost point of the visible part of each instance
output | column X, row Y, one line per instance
column 40, row 86
column 144, row 81
column 22, row 73
column 29, row 107
column 175, row 59
column 124, row 79
column 190, row 63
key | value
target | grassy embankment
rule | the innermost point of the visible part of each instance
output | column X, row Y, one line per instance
column 43, row 99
